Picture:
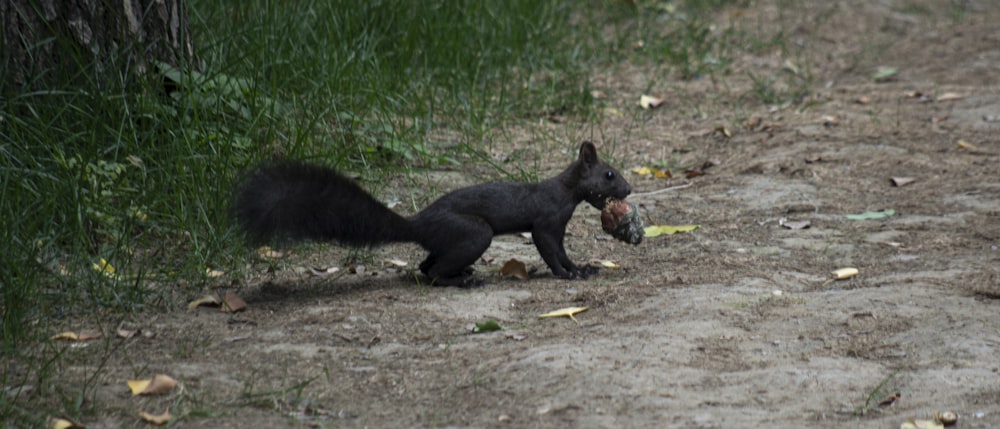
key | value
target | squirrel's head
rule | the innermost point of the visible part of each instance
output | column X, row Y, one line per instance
column 598, row 181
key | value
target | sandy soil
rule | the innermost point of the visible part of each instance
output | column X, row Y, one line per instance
column 732, row 325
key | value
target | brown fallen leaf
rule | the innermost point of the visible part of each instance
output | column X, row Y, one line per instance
column 902, row 181
column 753, row 123
column 830, row 121
column 514, row 268
column 700, row 170
column 158, row 385
column 156, row 419
column 232, row 303
column 863, row 100
column 889, row 399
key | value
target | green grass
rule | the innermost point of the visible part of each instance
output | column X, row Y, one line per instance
column 140, row 176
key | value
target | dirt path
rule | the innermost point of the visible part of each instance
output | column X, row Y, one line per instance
column 732, row 325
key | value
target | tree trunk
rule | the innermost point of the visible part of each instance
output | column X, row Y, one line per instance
column 49, row 41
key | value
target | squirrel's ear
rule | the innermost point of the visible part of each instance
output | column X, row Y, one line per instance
column 588, row 153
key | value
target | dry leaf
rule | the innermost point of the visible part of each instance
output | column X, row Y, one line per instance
column 105, row 268
column 921, row 424
column 514, row 268
column 794, row 224
column 657, row 230
column 398, row 263
column 209, row 300
column 950, row 96
column 127, row 333
column 844, row 273
column 74, row 336
column 232, row 303
column 597, row 94
column 962, row 144
column 565, row 312
column 724, row 131
column 902, row 181
column 265, row 252
column 946, row 418
column 864, row 99
column 889, row 399
column 650, row 102
column 652, row 171
column 604, row 263
column 613, row 112
column 156, row 419
column 212, row 274
column 830, row 121
column 322, row 272
column 158, row 385
column 63, row 423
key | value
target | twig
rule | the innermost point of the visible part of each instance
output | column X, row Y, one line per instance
column 661, row 191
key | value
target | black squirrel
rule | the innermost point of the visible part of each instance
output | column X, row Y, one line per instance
column 298, row 200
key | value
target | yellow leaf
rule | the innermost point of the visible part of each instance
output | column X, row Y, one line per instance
column 265, row 252
column 650, row 102
column 73, row 336
column 604, row 263
column 212, row 274
column 613, row 112
column 656, row 230
column 844, row 273
column 156, row 419
column 105, row 268
column 63, row 423
column 921, row 424
column 212, row 299
column 138, row 386
column 565, row 312
column 962, row 144
column 642, row 171
column 159, row 384
column 654, row 171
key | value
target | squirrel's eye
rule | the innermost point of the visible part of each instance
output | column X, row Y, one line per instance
column 610, row 175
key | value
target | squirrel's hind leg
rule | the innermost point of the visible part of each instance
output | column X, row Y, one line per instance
column 450, row 261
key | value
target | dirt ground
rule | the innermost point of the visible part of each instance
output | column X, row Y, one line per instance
column 735, row 324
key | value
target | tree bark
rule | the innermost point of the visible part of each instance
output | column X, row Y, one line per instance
column 102, row 41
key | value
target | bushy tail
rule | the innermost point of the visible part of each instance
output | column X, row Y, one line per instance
column 289, row 199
